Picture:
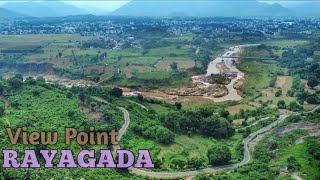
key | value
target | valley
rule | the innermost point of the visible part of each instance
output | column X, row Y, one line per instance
column 209, row 98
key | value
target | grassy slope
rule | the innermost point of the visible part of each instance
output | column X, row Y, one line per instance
column 48, row 112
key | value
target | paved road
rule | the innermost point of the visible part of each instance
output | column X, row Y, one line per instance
column 246, row 152
column 246, row 158
column 125, row 125
column 126, row 116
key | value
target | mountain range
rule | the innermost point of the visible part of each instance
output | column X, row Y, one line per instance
column 163, row 8
column 201, row 8
column 5, row 13
column 43, row 8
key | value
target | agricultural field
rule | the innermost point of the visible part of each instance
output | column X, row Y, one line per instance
column 286, row 43
column 75, row 56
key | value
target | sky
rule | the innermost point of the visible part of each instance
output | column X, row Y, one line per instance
column 106, row 4
column 111, row 5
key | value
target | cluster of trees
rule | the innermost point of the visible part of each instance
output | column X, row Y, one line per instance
column 181, row 163
column 313, row 146
column 298, row 63
column 259, row 112
column 292, row 106
column 153, row 130
column 201, row 122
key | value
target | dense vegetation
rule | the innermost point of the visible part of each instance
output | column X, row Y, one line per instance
column 202, row 122
column 45, row 107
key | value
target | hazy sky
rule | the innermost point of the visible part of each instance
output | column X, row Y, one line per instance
column 106, row 4
column 112, row 5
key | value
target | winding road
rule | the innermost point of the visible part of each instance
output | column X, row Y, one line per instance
column 246, row 152
column 246, row 158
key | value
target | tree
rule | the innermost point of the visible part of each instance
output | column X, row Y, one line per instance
column 178, row 105
column 244, row 123
column 40, row 80
column 294, row 106
column 178, row 162
column 278, row 93
column 36, row 93
column 82, row 97
column 71, row 114
column 60, row 54
column 219, row 154
column 216, row 126
column 174, row 66
column 196, row 162
column 2, row 109
column 291, row 92
column 224, row 113
column 164, row 135
column 248, row 131
column 69, row 95
column 313, row 67
column 312, row 100
column 19, row 76
column 15, row 83
column 281, row 104
column 30, row 81
column 117, row 92
column 293, row 164
column 2, row 88
column 312, row 82
column 140, row 97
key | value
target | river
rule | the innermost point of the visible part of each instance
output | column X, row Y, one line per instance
column 225, row 64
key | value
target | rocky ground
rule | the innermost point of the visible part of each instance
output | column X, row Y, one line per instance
column 214, row 90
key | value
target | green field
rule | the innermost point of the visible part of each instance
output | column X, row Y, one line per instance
column 286, row 43
column 258, row 75
column 186, row 147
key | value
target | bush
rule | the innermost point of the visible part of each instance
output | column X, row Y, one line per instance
column 278, row 93
column 291, row 92
column 293, row 164
column 295, row 106
column 117, row 92
column 281, row 104
column 312, row 100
